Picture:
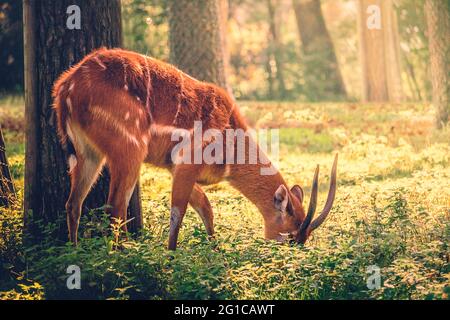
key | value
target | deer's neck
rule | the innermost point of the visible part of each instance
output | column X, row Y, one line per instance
column 254, row 181
column 258, row 188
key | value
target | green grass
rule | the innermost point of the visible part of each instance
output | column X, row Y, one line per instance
column 392, row 211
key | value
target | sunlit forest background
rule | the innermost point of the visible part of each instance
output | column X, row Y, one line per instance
column 267, row 67
column 312, row 70
column 259, row 66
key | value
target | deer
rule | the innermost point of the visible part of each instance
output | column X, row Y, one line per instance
column 119, row 109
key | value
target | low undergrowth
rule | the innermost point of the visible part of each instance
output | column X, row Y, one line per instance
column 387, row 236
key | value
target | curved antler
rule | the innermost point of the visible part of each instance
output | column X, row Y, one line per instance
column 312, row 202
column 330, row 199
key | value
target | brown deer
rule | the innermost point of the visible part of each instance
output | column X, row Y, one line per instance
column 120, row 109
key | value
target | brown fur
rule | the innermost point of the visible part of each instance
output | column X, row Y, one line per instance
column 118, row 107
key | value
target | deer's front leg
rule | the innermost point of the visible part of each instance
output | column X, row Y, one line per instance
column 184, row 177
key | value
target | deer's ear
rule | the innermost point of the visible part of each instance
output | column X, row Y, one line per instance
column 298, row 192
column 281, row 198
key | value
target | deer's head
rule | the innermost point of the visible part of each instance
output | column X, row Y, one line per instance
column 295, row 225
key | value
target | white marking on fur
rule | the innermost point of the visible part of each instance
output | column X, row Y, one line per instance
column 107, row 118
column 192, row 78
column 160, row 130
column 72, row 85
column 76, row 137
column 149, row 79
column 182, row 74
column 85, row 70
column 72, row 162
column 92, row 168
column 175, row 218
column 127, row 115
column 69, row 104
column 129, row 194
column 179, row 104
column 101, row 64
column 146, row 57
column 145, row 139
column 125, row 76
column 176, row 114
column 70, row 132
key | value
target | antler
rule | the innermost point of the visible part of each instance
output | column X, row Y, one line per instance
column 308, row 225
column 330, row 199
column 312, row 202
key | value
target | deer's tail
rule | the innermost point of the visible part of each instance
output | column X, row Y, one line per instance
column 62, row 105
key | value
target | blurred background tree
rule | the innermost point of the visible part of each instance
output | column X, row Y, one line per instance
column 196, row 39
column 11, row 44
column 380, row 51
column 275, row 61
column 323, row 78
column 414, row 50
column 145, row 27
column 438, row 17
column 264, row 54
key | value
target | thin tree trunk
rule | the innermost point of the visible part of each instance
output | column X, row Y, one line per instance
column 270, row 80
column 412, row 80
column 7, row 191
column 438, row 19
column 380, row 53
column 322, row 73
column 393, row 60
column 195, row 37
column 224, row 11
column 275, row 48
column 50, row 49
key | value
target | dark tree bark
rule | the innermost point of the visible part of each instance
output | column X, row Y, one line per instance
column 322, row 73
column 50, row 49
column 11, row 53
column 195, row 37
column 7, row 191
column 438, row 19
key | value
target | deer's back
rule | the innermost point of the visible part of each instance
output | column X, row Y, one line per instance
column 129, row 95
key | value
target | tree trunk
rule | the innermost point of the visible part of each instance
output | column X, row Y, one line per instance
column 380, row 51
column 224, row 12
column 393, row 60
column 50, row 49
column 323, row 76
column 438, row 19
column 275, row 49
column 11, row 53
column 195, row 37
column 7, row 192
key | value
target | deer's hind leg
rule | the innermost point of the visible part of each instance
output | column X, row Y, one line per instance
column 124, row 171
column 199, row 201
column 85, row 167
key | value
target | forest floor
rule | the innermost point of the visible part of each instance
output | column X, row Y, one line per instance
column 391, row 217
